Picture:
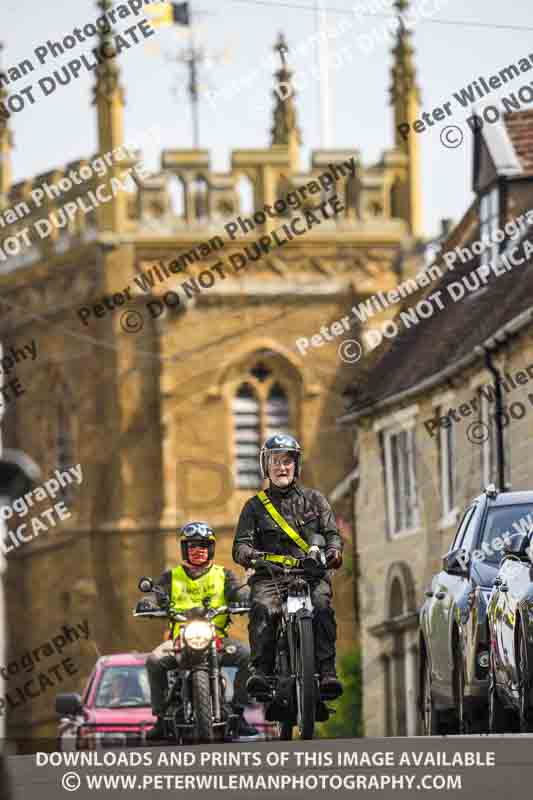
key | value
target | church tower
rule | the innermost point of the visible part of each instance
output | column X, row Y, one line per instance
column 405, row 99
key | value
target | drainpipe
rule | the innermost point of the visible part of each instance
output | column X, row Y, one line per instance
column 498, row 417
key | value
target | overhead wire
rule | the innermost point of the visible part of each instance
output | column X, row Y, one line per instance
column 421, row 20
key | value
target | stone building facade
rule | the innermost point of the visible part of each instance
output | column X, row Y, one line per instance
column 423, row 419
column 161, row 393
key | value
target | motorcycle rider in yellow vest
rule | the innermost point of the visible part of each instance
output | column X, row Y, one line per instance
column 187, row 585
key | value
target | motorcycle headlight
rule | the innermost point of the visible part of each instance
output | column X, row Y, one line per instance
column 198, row 635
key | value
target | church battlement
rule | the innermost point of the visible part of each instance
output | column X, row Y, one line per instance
column 187, row 199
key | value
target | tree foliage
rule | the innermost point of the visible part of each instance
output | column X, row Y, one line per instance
column 347, row 721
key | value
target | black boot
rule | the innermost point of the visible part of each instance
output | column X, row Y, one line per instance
column 330, row 686
column 156, row 733
column 258, row 686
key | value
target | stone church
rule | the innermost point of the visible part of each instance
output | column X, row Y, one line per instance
column 164, row 401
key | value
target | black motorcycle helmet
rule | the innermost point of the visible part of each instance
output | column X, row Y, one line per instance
column 199, row 534
column 280, row 443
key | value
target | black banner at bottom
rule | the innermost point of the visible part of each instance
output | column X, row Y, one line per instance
column 455, row 767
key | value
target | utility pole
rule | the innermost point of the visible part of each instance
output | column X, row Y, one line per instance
column 195, row 57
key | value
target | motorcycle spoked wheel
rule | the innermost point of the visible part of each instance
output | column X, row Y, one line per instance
column 201, row 696
column 305, row 678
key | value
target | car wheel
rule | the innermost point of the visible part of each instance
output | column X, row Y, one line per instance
column 463, row 724
column 524, row 711
column 430, row 715
column 499, row 721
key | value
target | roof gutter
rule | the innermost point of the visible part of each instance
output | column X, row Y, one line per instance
column 491, row 343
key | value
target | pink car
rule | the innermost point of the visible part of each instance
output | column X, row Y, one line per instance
column 115, row 710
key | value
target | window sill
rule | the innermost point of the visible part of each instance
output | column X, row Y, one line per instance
column 406, row 532
column 449, row 519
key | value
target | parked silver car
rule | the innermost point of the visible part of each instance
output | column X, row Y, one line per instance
column 454, row 635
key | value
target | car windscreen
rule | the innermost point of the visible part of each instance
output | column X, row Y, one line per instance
column 502, row 522
column 123, row 687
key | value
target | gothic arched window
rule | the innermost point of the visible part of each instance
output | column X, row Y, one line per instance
column 247, row 433
column 277, row 409
column 260, row 409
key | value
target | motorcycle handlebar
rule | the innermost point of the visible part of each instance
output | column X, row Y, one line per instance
column 273, row 567
column 179, row 616
column 316, row 569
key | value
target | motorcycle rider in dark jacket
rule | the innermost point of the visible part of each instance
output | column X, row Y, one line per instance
column 195, row 579
column 308, row 512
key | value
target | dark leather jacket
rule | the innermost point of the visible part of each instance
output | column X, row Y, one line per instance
column 306, row 510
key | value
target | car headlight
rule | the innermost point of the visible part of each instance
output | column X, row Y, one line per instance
column 198, row 635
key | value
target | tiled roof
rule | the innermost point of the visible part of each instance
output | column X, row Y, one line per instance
column 520, row 128
column 423, row 350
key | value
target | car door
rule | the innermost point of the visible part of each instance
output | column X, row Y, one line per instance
column 515, row 576
column 445, row 588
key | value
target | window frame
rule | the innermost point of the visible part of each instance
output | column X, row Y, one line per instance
column 409, row 429
column 469, row 526
column 459, row 533
column 489, row 221
column 237, row 475
column 447, row 446
column 262, row 390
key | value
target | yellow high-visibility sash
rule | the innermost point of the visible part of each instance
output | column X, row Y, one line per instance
column 283, row 524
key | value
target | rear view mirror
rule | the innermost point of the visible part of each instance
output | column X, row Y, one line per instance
column 145, row 607
column 146, row 585
column 456, row 563
column 517, row 545
column 69, row 705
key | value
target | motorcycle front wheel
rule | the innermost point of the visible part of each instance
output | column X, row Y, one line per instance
column 201, row 698
column 305, row 678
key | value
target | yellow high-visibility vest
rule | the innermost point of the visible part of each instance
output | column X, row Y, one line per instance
column 187, row 592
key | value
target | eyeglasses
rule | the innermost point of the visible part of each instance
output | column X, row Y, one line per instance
column 281, row 461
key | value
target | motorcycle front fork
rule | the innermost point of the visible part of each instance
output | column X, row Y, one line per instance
column 214, row 676
column 283, row 655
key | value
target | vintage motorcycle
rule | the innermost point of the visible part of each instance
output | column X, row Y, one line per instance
column 195, row 709
column 295, row 695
